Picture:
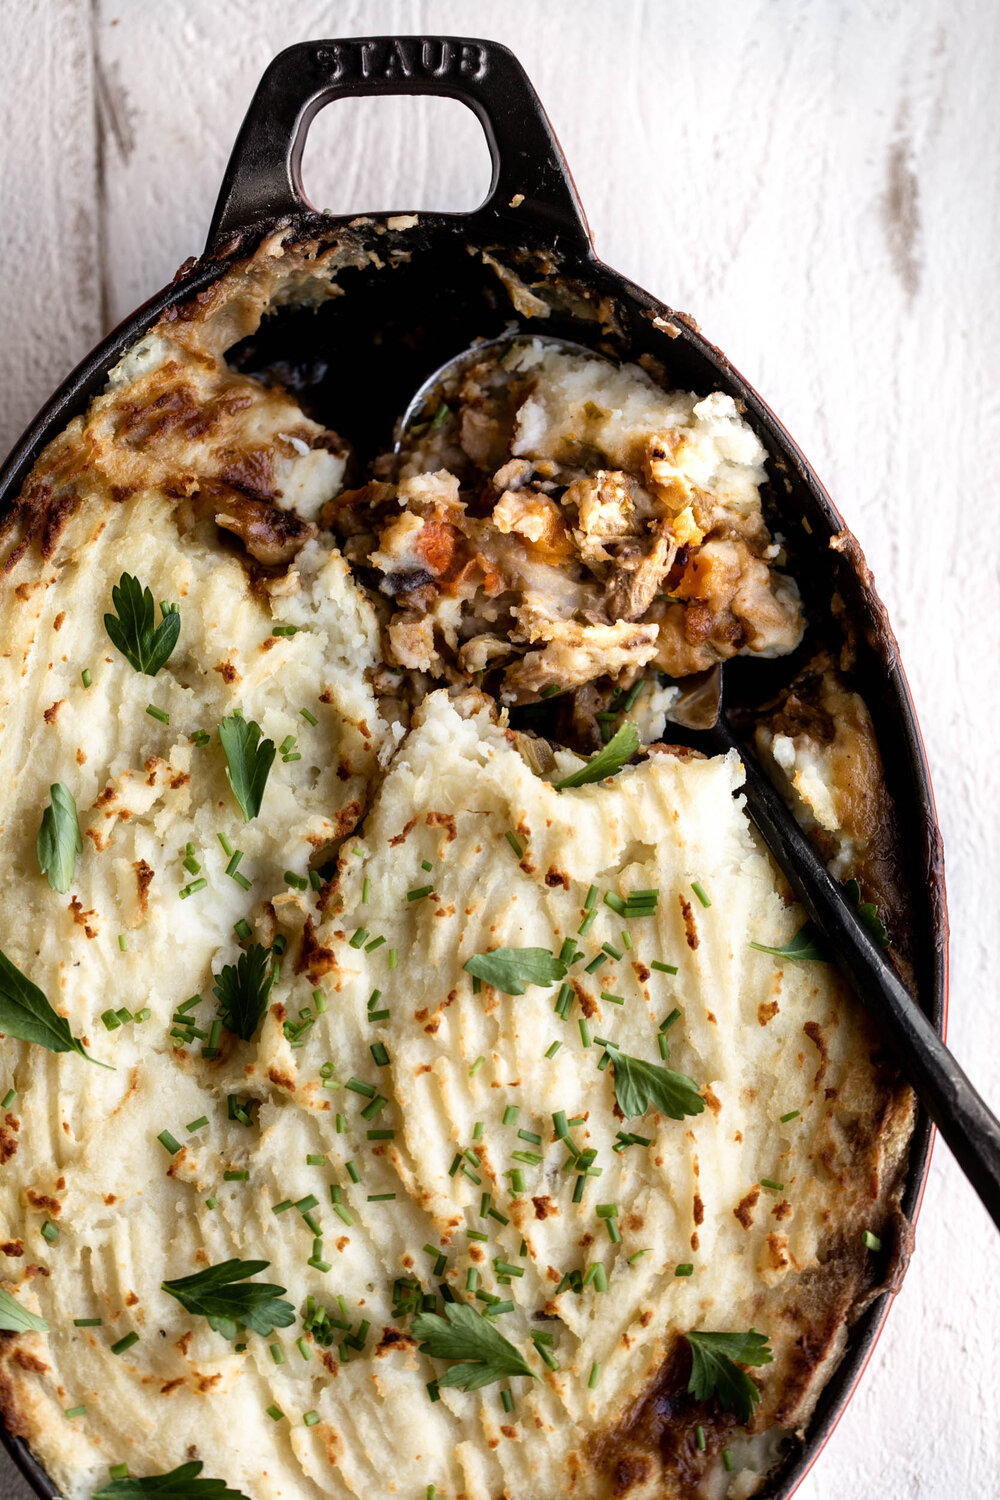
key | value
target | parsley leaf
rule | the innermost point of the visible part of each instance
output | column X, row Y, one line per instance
column 250, row 760
column 59, row 840
column 17, row 1319
column 214, row 1294
column 805, row 947
column 714, row 1370
column 242, row 990
column 510, row 969
column 143, row 643
column 463, row 1335
column 26, row 1014
column 606, row 762
column 640, row 1085
column 179, row 1484
column 868, row 912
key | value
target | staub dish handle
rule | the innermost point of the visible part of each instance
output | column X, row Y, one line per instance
column 531, row 183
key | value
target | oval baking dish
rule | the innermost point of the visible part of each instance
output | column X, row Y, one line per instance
column 432, row 283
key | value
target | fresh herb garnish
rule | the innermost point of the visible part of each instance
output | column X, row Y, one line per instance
column 250, row 760
column 462, row 1335
column 242, row 989
column 26, row 1015
column 510, row 969
column 179, row 1484
column 606, row 762
column 17, row 1319
column 224, row 1296
column 714, row 1370
column 143, row 643
column 868, row 912
column 640, row 1085
column 804, row 947
column 59, row 840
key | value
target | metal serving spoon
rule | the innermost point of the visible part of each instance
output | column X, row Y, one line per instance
column 960, row 1114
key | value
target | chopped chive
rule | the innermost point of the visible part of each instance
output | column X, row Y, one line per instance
column 587, row 923
column 595, row 1371
column 512, row 840
column 297, row 882
column 381, row 1197
column 303, row 1348
column 793, row 1114
column 110, row 1019
column 616, row 903
column 419, row 892
column 125, row 1343
column 8, row 1099
column 477, row 1131
column 283, row 1206
column 315, row 878
column 663, row 968
column 343, row 1214
column 122, row 942
column 872, row 1241
column 242, row 929
column 227, row 847
column 381, row 1135
column 87, row 1322
column 637, row 1255
column 666, row 1024
column 392, row 957
column 191, row 865
column 425, row 864
column 510, row 1114
column 309, row 718
column 495, row 1214
column 341, row 1123
column 352, row 1171
column 85, row 677
column 477, row 1234
column 506, row 1400
column 686, row 1269
column 699, row 891
column 201, row 1121
column 236, row 1174
column 360, row 937
column 432, row 1390
column 727, row 1460
column 157, row 713
column 528, row 1135
column 118, row 1471
column 663, row 1046
column 612, row 999
column 776, row 1187
column 275, row 1413
column 310, row 1418
column 531, row 1158
column 237, row 855
column 551, row 1052
column 358, row 1086
column 611, row 951
column 143, row 1015
column 190, row 889
column 699, row 1437
column 474, row 1069
column 168, row 1142
column 517, row 1180
column 375, row 1107
column 315, row 1160
column 471, row 1279
column 626, row 940
column 379, row 1054
column 284, row 630
column 585, row 1037
column 560, row 1125
column 373, row 999
column 211, row 1202
column 199, row 737
column 312, row 1222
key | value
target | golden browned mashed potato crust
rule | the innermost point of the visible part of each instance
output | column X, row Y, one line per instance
column 218, row 493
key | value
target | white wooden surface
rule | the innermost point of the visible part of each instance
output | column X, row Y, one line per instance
column 819, row 184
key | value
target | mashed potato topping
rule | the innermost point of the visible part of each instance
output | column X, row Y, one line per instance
column 386, row 1135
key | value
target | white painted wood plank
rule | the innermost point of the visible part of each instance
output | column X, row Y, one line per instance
column 49, row 302
column 820, row 186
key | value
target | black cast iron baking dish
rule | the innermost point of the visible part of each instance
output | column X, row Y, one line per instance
column 393, row 327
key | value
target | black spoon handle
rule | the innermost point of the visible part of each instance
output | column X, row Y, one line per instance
column 963, row 1118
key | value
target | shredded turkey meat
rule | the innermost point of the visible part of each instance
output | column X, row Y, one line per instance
column 556, row 519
